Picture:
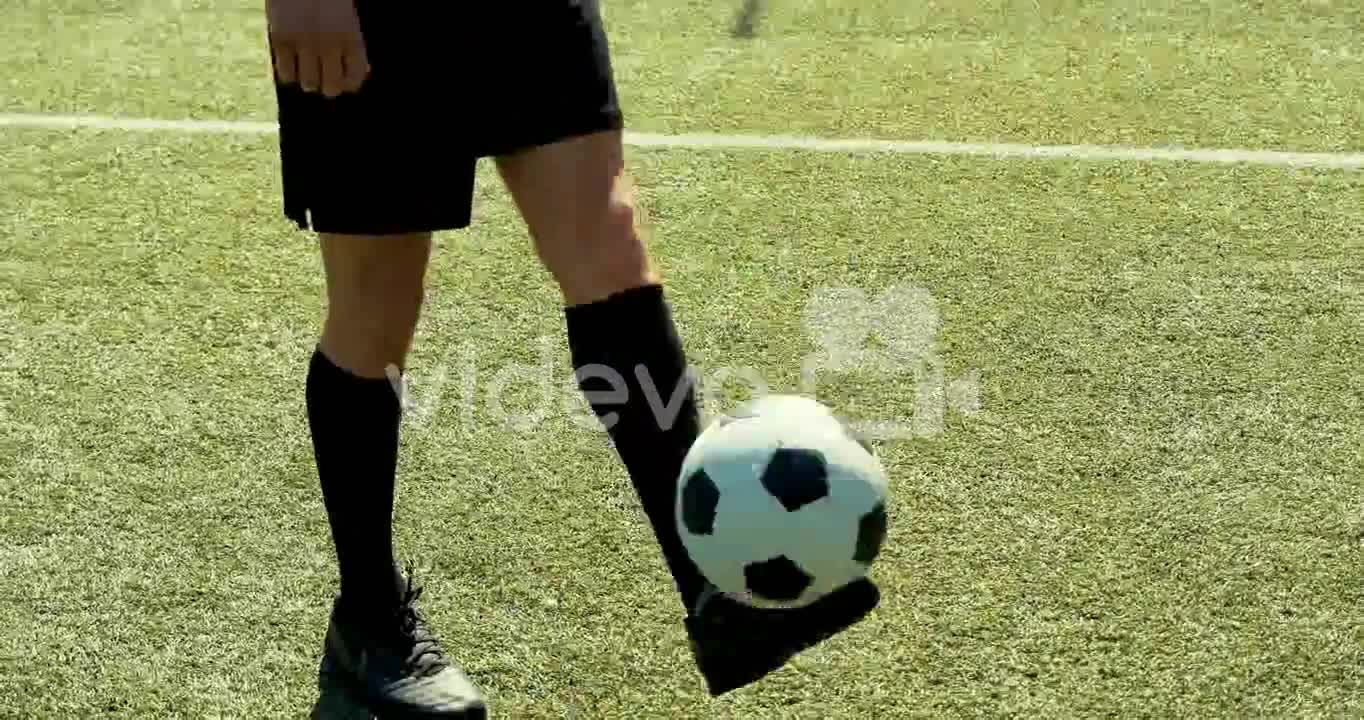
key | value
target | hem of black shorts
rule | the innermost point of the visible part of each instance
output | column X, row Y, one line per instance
column 604, row 121
column 334, row 226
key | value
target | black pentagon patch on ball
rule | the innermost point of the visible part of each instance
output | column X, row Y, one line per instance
column 871, row 532
column 699, row 500
column 777, row 579
column 796, row 477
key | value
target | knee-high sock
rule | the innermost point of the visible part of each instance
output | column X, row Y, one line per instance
column 354, row 424
column 632, row 332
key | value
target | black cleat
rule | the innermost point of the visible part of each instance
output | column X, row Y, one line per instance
column 389, row 665
column 736, row 645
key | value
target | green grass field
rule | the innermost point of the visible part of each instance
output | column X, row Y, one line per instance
column 1157, row 510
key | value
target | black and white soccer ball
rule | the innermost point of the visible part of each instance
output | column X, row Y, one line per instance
column 780, row 503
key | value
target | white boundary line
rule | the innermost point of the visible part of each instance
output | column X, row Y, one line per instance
column 774, row 142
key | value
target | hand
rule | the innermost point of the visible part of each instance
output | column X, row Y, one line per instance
column 317, row 44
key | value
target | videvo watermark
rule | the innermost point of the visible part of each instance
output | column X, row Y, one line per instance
column 891, row 338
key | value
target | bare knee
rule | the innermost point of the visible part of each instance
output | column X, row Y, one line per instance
column 371, row 328
column 375, row 290
column 579, row 205
column 602, row 253
column 613, row 256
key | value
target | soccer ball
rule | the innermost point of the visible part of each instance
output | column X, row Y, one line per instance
column 780, row 503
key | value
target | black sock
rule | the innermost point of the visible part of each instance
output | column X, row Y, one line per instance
column 354, row 424
column 628, row 330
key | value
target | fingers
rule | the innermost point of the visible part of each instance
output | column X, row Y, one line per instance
column 331, row 68
column 309, row 68
column 286, row 64
column 333, row 73
column 355, row 66
column 344, row 70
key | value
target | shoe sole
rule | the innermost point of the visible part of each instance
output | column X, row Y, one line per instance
column 839, row 612
column 337, row 701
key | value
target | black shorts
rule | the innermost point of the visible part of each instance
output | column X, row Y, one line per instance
column 449, row 84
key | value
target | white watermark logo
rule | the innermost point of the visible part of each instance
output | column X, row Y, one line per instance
column 892, row 338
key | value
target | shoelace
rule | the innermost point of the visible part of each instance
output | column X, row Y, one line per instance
column 424, row 656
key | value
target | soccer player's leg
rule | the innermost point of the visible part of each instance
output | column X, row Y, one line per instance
column 356, row 175
column 378, row 648
column 373, row 300
column 378, row 651
column 578, row 204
